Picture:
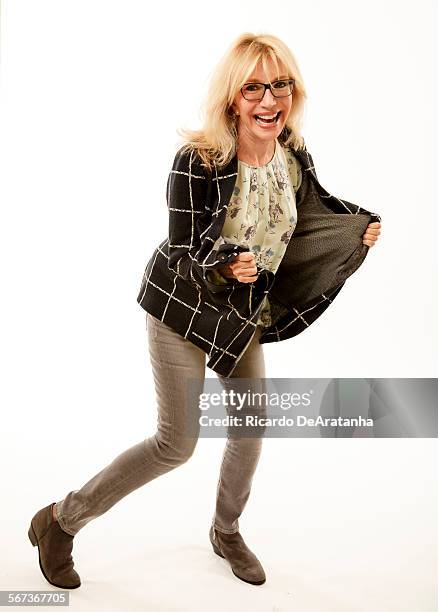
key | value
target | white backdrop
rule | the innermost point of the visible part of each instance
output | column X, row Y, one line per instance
column 87, row 144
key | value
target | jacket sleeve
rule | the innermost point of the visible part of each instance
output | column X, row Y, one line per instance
column 192, row 254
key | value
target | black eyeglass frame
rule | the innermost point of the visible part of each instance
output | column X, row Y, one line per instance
column 269, row 86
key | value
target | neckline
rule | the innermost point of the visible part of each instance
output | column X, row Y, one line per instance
column 264, row 165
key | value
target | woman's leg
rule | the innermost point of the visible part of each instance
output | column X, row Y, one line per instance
column 241, row 454
column 173, row 359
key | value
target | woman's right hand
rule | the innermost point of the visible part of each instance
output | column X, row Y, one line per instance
column 243, row 268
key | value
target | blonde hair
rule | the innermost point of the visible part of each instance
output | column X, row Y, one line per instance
column 216, row 141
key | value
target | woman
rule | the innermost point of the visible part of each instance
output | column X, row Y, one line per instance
column 227, row 278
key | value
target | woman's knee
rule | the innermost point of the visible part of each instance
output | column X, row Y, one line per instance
column 175, row 451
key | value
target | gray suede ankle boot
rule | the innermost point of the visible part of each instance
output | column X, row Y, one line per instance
column 54, row 550
column 244, row 563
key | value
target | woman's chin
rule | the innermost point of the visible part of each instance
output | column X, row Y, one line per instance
column 267, row 134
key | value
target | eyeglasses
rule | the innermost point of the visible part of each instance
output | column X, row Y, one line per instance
column 279, row 89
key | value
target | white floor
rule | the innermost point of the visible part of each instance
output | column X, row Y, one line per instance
column 339, row 525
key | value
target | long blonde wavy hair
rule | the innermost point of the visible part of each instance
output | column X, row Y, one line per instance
column 216, row 141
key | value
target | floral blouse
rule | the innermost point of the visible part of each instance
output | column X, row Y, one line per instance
column 262, row 214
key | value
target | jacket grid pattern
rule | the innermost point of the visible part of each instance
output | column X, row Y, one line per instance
column 324, row 250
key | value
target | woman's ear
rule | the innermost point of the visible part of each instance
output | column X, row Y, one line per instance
column 233, row 109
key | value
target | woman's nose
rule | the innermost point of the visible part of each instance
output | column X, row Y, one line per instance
column 268, row 98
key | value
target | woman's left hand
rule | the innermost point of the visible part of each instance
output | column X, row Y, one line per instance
column 371, row 234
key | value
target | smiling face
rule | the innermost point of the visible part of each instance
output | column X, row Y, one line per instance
column 252, row 130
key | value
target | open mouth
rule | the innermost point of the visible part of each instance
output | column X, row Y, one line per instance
column 267, row 120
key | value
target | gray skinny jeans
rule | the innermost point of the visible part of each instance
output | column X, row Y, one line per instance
column 173, row 359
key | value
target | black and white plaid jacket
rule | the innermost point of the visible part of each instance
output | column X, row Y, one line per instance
column 324, row 250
